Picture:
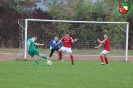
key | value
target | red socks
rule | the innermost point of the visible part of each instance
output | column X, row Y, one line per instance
column 72, row 60
column 60, row 55
column 71, row 56
column 106, row 60
column 102, row 59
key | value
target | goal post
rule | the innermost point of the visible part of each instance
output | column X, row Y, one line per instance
column 127, row 33
column 83, row 23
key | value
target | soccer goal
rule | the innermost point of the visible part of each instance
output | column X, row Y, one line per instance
column 86, row 31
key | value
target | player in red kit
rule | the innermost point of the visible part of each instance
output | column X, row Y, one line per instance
column 67, row 41
column 104, row 53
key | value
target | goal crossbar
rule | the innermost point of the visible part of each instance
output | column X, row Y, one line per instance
column 70, row 21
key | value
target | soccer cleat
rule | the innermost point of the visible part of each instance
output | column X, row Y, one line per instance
column 37, row 62
column 47, row 59
column 72, row 63
column 61, row 60
column 102, row 63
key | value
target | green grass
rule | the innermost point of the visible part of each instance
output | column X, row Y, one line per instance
column 75, row 51
column 84, row 74
column 7, row 50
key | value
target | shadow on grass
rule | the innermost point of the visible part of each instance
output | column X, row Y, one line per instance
column 22, row 59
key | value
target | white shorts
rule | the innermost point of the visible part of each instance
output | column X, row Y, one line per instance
column 65, row 49
column 105, row 52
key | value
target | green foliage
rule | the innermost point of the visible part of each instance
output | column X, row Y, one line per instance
column 85, row 10
column 22, row 6
column 88, row 11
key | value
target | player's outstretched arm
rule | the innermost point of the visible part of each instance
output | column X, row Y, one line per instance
column 58, row 43
column 38, row 44
column 54, row 43
column 100, row 41
column 74, row 40
column 98, row 46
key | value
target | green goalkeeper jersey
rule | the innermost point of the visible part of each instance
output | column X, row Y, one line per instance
column 31, row 41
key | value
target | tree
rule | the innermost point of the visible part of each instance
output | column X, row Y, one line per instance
column 102, row 10
column 20, row 5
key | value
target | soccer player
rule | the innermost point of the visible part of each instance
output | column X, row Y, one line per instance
column 53, row 46
column 103, row 54
column 31, row 49
column 67, row 40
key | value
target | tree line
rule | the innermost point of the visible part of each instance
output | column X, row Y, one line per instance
column 80, row 10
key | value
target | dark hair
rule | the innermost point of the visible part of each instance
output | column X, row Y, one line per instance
column 67, row 32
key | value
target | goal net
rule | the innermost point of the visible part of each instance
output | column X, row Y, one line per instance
column 86, row 31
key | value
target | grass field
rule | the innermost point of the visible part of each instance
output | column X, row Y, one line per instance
column 75, row 51
column 84, row 74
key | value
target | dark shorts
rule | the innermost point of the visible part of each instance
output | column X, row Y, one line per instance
column 33, row 52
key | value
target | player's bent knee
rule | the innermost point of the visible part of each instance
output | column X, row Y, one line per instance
column 40, row 55
column 70, row 53
column 105, row 55
column 60, row 50
column 100, row 54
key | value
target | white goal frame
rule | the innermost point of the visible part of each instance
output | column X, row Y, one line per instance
column 69, row 21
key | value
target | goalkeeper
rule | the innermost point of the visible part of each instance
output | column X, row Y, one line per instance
column 54, row 46
column 33, row 51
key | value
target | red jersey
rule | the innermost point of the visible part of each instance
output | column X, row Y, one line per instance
column 106, row 44
column 67, row 41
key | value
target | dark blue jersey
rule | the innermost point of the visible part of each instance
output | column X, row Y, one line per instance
column 54, row 46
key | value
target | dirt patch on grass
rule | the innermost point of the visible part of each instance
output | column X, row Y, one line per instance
column 12, row 56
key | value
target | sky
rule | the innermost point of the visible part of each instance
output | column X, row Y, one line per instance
column 40, row 5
